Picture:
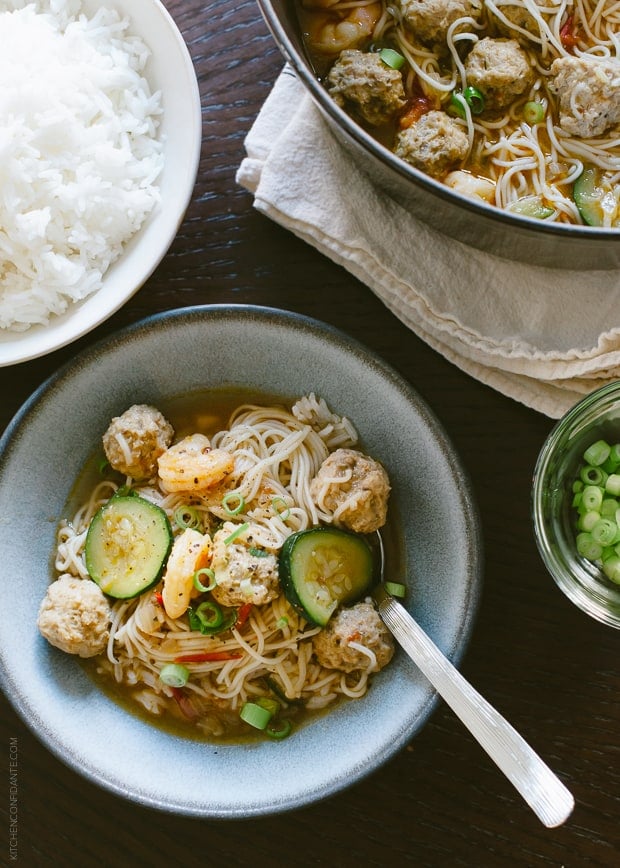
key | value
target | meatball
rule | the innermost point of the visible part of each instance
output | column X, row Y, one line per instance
column 430, row 19
column 435, row 144
column 354, row 489
column 500, row 69
column 589, row 92
column 360, row 625
column 518, row 16
column 244, row 572
column 135, row 440
column 75, row 616
column 366, row 87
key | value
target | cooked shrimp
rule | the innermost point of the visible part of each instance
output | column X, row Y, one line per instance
column 471, row 185
column 192, row 465
column 329, row 31
column 191, row 551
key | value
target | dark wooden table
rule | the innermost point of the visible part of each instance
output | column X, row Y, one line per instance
column 552, row 671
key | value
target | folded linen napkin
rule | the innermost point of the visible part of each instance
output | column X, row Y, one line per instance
column 544, row 337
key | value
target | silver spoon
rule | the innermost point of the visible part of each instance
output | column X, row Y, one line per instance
column 538, row 785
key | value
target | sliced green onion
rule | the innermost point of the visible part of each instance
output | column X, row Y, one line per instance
column 255, row 715
column 597, row 505
column 187, row 517
column 593, row 475
column 270, row 704
column 612, row 484
column 229, row 619
column 588, row 547
column 279, row 692
column 592, row 497
column 604, row 531
column 124, row 491
column 103, row 465
column 282, row 622
column 237, row 532
column 611, row 568
column 597, row 453
column 391, row 58
column 587, row 520
column 194, row 621
column 210, row 615
column 281, row 508
column 457, row 101
column 279, row 728
column 233, row 496
column 258, row 553
column 174, row 675
column 396, row 589
column 533, row 112
column 474, row 99
column 210, row 575
column 472, row 96
column 609, row 507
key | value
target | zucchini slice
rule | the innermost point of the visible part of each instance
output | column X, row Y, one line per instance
column 323, row 568
column 531, row 206
column 127, row 545
column 597, row 199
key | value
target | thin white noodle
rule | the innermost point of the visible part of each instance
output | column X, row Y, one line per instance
column 277, row 453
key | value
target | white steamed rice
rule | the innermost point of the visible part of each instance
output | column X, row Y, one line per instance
column 79, row 153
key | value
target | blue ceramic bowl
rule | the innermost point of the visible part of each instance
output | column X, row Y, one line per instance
column 41, row 454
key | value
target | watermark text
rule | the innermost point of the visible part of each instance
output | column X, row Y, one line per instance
column 13, row 797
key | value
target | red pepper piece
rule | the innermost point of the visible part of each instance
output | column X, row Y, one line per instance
column 568, row 35
column 243, row 613
column 208, row 656
column 415, row 108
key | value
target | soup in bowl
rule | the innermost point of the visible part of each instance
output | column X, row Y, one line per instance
column 110, row 716
column 495, row 123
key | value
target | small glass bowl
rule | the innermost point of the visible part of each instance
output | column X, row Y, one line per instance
column 595, row 417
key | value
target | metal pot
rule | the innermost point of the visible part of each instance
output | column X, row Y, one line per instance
column 510, row 236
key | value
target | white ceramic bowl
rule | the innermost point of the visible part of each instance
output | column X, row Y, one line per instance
column 437, row 524
column 169, row 70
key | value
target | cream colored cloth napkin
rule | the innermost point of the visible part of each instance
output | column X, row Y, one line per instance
column 544, row 337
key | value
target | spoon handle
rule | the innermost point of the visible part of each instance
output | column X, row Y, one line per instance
column 539, row 786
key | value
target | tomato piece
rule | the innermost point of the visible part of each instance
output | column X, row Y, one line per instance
column 208, row 656
column 569, row 36
column 416, row 107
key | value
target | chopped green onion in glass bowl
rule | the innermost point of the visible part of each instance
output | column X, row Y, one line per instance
column 576, row 504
